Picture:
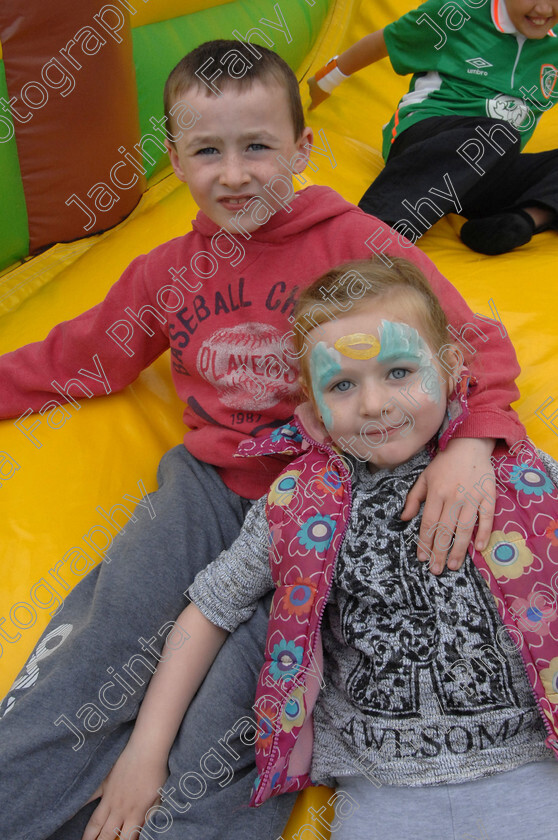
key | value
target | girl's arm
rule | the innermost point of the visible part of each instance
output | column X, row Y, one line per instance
column 228, row 591
column 131, row 787
column 369, row 49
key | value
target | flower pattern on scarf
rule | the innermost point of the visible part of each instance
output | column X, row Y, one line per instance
column 507, row 554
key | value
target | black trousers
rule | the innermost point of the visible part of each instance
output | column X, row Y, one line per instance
column 466, row 165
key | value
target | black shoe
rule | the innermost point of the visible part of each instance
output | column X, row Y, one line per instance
column 498, row 234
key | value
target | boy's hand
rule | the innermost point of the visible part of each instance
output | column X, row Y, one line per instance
column 450, row 486
column 316, row 93
column 128, row 791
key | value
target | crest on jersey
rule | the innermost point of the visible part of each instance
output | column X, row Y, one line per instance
column 511, row 109
column 549, row 74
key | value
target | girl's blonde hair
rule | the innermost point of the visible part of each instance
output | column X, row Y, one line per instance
column 344, row 289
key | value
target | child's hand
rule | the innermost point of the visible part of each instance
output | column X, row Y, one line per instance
column 316, row 93
column 128, row 791
column 451, row 486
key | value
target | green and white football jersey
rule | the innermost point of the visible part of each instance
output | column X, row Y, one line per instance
column 469, row 60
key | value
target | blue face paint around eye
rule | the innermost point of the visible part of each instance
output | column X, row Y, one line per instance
column 400, row 341
column 324, row 365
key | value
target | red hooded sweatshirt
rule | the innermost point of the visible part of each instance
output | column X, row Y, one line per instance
column 223, row 304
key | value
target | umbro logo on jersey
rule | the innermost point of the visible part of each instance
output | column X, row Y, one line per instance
column 479, row 65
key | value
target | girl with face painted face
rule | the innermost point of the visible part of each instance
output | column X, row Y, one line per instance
column 428, row 701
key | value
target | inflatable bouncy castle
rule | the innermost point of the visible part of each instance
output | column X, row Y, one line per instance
column 85, row 186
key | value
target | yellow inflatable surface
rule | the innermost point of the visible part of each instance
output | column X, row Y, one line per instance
column 55, row 476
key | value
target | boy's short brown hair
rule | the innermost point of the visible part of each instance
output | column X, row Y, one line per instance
column 220, row 54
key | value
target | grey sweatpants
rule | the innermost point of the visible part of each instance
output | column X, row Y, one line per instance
column 71, row 710
column 519, row 804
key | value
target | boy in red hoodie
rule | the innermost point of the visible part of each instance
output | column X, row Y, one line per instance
column 221, row 297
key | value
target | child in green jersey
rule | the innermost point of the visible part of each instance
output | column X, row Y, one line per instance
column 484, row 72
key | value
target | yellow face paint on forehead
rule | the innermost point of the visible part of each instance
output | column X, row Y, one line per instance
column 358, row 346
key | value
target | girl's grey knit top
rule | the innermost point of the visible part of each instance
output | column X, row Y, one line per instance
column 423, row 685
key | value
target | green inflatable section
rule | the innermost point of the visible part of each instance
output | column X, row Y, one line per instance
column 290, row 27
column 14, row 228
